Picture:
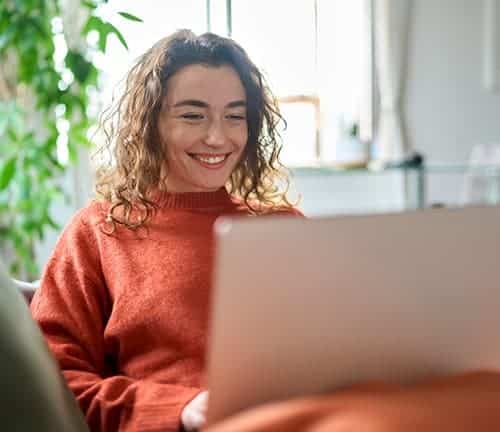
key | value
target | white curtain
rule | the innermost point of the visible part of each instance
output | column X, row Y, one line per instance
column 391, row 20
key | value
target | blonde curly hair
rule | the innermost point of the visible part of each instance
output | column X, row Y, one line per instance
column 139, row 164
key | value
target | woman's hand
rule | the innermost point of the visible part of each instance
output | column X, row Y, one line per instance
column 193, row 415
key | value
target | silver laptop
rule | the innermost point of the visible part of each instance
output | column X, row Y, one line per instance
column 309, row 306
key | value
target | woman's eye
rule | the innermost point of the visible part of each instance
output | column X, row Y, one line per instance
column 192, row 116
column 236, row 117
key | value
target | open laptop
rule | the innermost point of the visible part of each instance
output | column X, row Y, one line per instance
column 310, row 306
column 33, row 394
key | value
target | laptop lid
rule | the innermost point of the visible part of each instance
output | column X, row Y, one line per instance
column 309, row 306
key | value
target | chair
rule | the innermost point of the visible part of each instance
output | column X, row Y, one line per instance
column 27, row 289
column 33, row 393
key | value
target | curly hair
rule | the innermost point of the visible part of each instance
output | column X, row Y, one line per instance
column 139, row 163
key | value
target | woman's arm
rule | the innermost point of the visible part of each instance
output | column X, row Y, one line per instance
column 71, row 308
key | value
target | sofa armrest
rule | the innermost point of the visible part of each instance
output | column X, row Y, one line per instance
column 27, row 289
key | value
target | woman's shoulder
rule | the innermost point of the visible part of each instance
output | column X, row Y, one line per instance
column 79, row 235
column 92, row 214
column 84, row 223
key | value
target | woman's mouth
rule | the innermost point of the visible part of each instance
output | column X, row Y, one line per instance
column 210, row 161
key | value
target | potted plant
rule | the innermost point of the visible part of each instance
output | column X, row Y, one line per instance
column 46, row 76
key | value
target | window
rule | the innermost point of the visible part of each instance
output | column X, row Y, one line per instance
column 317, row 58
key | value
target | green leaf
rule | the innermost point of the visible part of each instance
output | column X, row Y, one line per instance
column 93, row 23
column 7, row 172
column 7, row 37
column 73, row 151
column 52, row 223
column 89, row 4
column 103, row 39
column 79, row 65
column 92, row 77
column 36, row 25
column 12, row 135
column 104, row 29
column 113, row 29
column 39, row 232
column 97, row 24
column 130, row 17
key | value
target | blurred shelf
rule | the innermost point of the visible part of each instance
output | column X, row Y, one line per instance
column 329, row 170
column 414, row 177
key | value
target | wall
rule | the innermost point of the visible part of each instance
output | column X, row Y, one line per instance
column 447, row 108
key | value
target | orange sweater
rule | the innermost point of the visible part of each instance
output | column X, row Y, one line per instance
column 126, row 313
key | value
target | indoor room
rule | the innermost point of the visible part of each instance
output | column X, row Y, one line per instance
column 135, row 134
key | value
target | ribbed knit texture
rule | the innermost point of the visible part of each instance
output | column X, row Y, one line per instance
column 125, row 313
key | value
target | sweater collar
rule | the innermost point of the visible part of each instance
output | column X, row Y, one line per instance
column 193, row 200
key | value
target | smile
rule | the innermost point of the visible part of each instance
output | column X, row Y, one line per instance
column 209, row 160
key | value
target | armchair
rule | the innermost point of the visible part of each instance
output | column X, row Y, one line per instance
column 33, row 394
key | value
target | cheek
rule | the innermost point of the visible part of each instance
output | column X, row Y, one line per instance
column 178, row 138
column 240, row 136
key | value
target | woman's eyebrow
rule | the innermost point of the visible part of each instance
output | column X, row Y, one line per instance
column 191, row 102
column 200, row 104
column 236, row 104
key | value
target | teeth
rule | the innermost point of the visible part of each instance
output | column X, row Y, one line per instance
column 211, row 160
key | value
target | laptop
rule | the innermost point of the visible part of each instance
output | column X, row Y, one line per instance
column 33, row 393
column 305, row 307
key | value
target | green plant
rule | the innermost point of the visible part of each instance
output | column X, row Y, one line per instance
column 44, row 98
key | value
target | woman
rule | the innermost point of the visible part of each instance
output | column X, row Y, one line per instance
column 124, row 298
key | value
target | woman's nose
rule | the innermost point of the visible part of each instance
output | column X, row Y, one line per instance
column 216, row 136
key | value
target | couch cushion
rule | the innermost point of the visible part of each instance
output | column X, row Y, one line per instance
column 33, row 394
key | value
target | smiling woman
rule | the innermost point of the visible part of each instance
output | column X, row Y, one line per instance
column 196, row 115
column 124, row 300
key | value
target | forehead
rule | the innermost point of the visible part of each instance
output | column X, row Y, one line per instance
column 211, row 84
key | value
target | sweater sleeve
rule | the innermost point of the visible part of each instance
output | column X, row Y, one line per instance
column 71, row 307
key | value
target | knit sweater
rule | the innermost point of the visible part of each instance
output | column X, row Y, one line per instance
column 126, row 312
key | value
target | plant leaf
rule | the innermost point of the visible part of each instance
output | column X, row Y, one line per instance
column 80, row 66
column 89, row 4
column 130, row 17
column 113, row 29
column 7, row 172
column 93, row 23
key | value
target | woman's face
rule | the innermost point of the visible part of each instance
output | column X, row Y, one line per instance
column 203, row 125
